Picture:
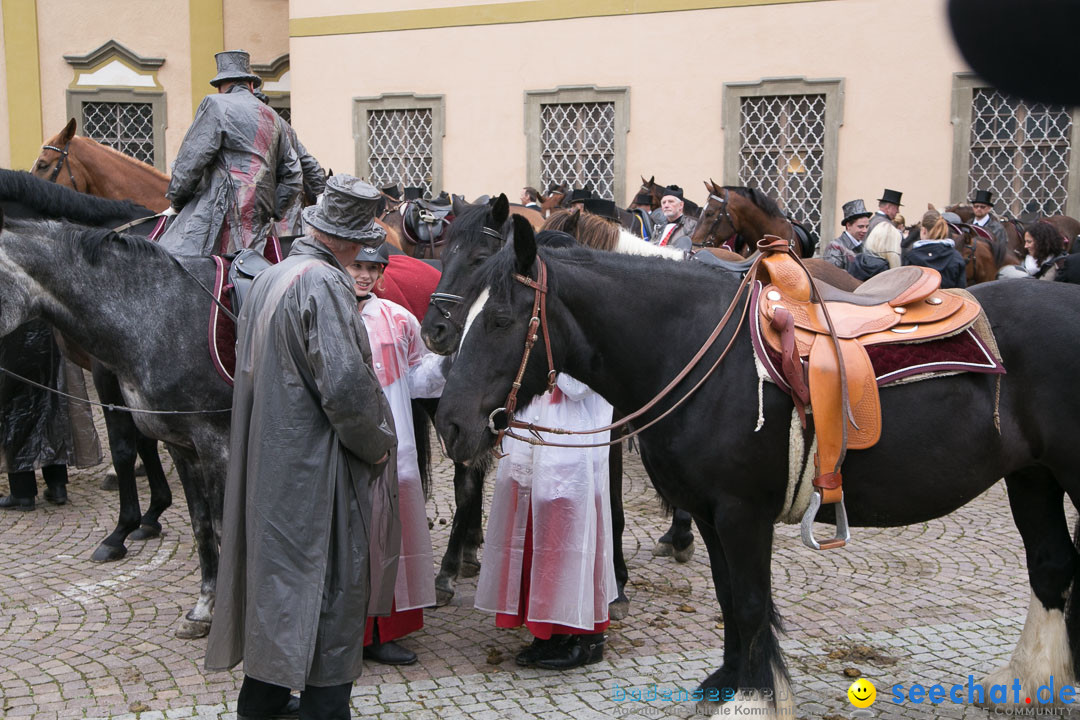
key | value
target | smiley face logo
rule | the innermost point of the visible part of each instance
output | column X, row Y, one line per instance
column 862, row 693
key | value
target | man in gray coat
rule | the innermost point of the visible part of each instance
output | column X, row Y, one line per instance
column 888, row 206
column 678, row 227
column 981, row 205
column 310, row 531
column 235, row 173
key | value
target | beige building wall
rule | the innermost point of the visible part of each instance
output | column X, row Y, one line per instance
column 5, row 140
column 258, row 26
column 896, row 59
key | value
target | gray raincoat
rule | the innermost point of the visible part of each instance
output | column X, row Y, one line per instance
column 291, row 222
column 235, row 174
column 310, row 527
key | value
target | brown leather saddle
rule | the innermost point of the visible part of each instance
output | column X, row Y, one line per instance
column 425, row 223
column 821, row 334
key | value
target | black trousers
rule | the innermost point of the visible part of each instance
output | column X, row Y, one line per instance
column 23, row 483
column 260, row 699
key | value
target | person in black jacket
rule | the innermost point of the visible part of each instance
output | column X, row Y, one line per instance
column 937, row 250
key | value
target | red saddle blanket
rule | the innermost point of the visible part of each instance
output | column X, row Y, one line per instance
column 407, row 281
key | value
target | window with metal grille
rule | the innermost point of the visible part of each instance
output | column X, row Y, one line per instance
column 782, row 151
column 127, row 127
column 1020, row 151
column 400, row 148
column 577, row 146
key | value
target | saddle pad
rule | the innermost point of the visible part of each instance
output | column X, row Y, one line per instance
column 970, row 350
column 222, row 330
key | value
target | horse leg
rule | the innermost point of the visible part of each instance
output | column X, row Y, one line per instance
column 474, row 530
column 678, row 541
column 160, row 493
column 620, row 606
column 122, row 435
column 201, row 480
column 745, row 547
column 468, row 503
column 728, row 674
column 1043, row 651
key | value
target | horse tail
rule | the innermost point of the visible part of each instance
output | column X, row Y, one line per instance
column 423, row 415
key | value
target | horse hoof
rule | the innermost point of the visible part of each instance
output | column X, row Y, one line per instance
column 109, row 482
column 685, row 554
column 663, row 549
column 145, row 532
column 108, row 553
column 619, row 608
column 443, row 597
column 192, row 629
column 469, row 569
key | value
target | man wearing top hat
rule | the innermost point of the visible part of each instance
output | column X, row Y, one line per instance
column 236, row 171
column 579, row 196
column 841, row 251
column 981, row 205
column 310, row 531
column 678, row 227
column 888, row 205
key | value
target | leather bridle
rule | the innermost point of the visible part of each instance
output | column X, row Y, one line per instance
column 710, row 241
column 60, row 164
column 438, row 298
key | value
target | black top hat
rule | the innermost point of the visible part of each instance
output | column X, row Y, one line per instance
column 346, row 209
column 392, row 191
column 1042, row 69
column 414, row 193
column 603, row 208
column 983, row 197
column 672, row 190
column 853, row 210
column 580, row 194
column 642, row 198
column 374, row 254
column 891, row 196
column 234, row 65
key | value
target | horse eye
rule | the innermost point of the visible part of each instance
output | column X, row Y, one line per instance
column 502, row 321
column 478, row 260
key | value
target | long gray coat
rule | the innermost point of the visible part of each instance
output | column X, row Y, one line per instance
column 309, row 422
column 236, row 173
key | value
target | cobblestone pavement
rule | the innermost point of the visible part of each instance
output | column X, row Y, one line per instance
column 928, row 603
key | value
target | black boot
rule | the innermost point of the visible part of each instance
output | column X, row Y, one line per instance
column 540, row 649
column 23, row 491
column 55, row 484
column 579, row 650
column 387, row 653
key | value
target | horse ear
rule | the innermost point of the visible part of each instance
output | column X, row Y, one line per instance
column 68, row 132
column 652, row 180
column 329, row 173
column 501, row 209
column 572, row 222
column 524, row 245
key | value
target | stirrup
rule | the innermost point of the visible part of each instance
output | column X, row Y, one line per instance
column 843, row 534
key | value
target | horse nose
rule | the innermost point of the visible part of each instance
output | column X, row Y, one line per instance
column 434, row 335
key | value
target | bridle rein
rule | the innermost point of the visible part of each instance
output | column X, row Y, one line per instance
column 437, row 298
column 60, row 164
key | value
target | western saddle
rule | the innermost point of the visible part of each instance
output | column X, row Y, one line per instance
column 821, row 333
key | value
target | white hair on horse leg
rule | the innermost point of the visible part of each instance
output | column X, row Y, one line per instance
column 631, row 244
column 1042, row 652
column 473, row 312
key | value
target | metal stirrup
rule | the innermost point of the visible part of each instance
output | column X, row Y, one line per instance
column 843, row 534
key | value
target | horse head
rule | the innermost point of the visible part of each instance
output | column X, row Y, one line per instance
column 495, row 339
column 474, row 236
column 715, row 226
column 554, row 200
column 55, row 162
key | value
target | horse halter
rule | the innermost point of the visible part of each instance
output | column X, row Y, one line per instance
column 441, row 297
column 710, row 242
column 60, row 164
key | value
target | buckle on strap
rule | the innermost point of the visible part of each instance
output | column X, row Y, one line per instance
column 843, row 533
column 491, row 421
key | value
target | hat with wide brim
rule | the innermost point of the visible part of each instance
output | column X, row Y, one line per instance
column 346, row 209
column 1025, row 48
column 580, row 195
column 234, row 66
column 601, row 207
column 983, row 197
column 853, row 210
column 891, row 196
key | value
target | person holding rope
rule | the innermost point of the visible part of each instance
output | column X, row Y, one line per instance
column 548, row 547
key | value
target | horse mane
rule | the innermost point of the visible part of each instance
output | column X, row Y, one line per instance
column 592, row 230
column 59, row 202
column 763, row 201
column 472, row 220
column 128, row 159
column 94, row 243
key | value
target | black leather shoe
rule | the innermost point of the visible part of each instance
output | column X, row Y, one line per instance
column 10, row 502
column 540, row 649
column 579, row 650
column 56, row 495
column 288, row 712
column 389, row 653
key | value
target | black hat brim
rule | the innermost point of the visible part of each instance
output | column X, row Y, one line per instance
column 1034, row 58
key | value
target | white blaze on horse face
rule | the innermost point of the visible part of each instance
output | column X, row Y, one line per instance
column 476, row 309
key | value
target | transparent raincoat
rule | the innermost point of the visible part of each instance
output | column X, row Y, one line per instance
column 572, row 576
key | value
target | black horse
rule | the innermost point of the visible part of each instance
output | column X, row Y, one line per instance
column 25, row 197
column 140, row 313
column 609, row 318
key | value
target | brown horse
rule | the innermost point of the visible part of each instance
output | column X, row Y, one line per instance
column 977, row 247
column 1015, row 229
column 554, row 200
column 737, row 217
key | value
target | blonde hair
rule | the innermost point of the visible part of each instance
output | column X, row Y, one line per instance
column 934, row 226
column 884, row 242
